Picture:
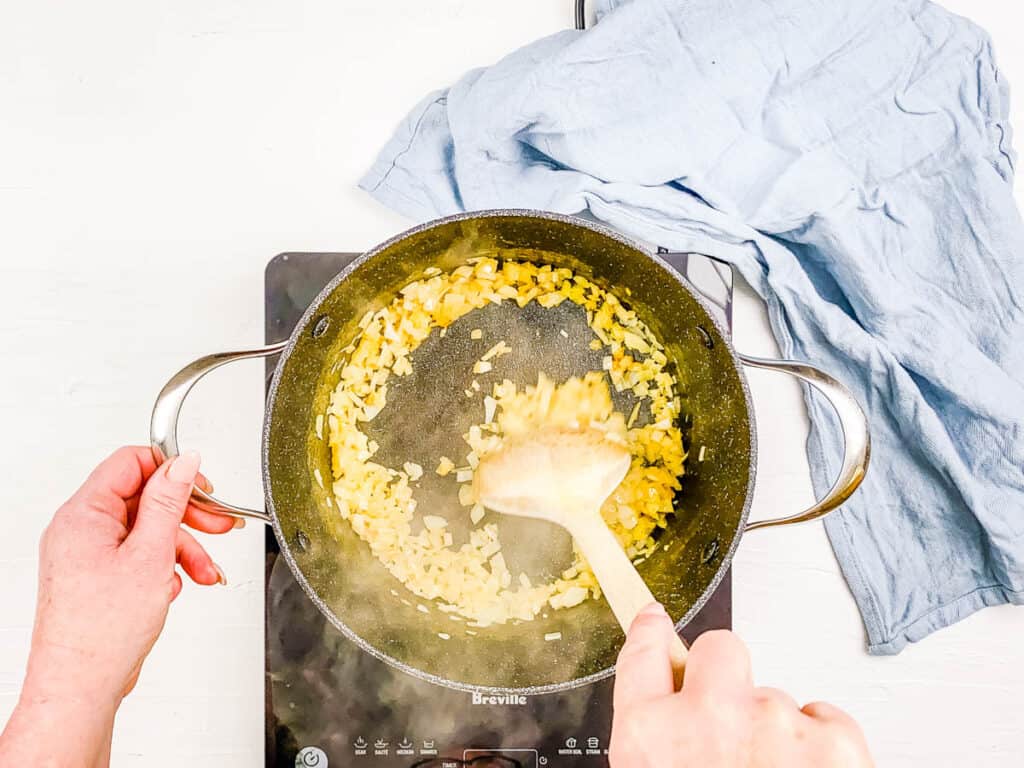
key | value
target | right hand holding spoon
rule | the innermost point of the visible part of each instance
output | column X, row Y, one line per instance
column 719, row 719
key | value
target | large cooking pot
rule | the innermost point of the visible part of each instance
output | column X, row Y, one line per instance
column 352, row 588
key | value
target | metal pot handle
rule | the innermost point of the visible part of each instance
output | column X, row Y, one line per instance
column 163, row 425
column 856, row 437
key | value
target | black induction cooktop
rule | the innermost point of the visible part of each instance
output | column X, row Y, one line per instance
column 329, row 703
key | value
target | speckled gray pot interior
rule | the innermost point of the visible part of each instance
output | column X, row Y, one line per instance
column 355, row 591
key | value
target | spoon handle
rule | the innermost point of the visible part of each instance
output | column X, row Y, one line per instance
column 623, row 588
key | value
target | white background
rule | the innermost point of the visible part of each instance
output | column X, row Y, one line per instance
column 153, row 157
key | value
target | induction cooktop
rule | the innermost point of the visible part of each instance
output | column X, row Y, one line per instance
column 329, row 703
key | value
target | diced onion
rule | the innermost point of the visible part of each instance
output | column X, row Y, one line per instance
column 472, row 580
column 499, row 349
column 434, row 522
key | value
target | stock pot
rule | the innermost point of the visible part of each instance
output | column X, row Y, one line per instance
column 336, row 568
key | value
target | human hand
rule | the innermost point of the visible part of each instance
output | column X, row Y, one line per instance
column 107, row 568
column 106, row 579
column 718, row 719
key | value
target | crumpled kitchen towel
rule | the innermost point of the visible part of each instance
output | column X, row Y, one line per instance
column 852, row 159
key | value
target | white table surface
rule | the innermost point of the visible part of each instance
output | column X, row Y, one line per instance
column 153, row 158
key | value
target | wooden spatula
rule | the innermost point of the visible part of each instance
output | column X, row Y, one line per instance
column 564, row 476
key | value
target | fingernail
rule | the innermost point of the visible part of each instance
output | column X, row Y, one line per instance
column 239, row 522
column 221, row 578
column 653, row 609
column 183, row 468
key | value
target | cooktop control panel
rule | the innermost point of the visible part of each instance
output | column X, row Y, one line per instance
column 423, row 753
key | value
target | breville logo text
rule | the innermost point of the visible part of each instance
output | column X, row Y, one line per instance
column 501, row 700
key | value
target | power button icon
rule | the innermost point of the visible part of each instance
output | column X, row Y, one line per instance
column 311, row 757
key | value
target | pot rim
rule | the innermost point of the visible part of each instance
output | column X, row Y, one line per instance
column 311, row 312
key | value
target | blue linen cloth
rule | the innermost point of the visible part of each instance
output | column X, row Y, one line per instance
column 853, row 161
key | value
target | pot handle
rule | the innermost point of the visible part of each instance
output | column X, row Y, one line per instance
column 856, row 437
column 163, row 424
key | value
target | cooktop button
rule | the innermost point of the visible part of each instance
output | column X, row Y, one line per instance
column 572, row 747
column 311, row 757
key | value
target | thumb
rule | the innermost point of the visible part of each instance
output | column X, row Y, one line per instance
column 163, row 504
column 644, row 669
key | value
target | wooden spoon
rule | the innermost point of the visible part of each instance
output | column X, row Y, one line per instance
column 564, row 476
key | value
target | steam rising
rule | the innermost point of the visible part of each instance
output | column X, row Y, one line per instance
column 344, row 693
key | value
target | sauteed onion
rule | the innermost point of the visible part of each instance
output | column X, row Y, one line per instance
column 471, row 580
